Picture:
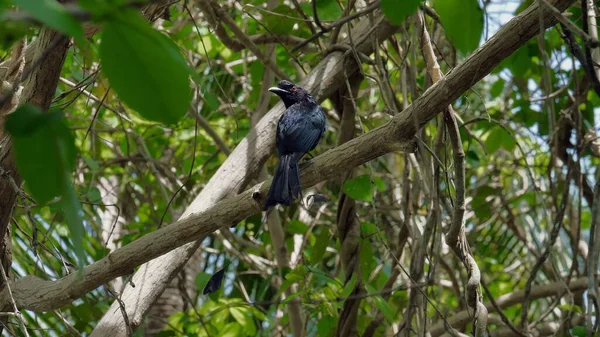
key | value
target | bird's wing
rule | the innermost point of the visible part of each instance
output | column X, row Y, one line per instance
column 300, row 131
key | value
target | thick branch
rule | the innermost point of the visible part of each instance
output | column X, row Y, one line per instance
column 39, row 295
column 510, row 299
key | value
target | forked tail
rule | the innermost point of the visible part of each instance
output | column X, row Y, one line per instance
column 286, row 182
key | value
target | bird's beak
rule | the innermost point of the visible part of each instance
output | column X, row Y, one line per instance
column 278, row 90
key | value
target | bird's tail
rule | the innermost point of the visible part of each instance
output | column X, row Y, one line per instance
column 286, row 182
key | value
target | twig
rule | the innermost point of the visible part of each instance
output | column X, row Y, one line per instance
column 340, row 22
column 14, row 304
column 505, row 319
column 549, row 246
column 316, row 16
column 211, row 132
column 455, row 238
column 589, row 41
column 592, row 261
column 245, row 40
column 123, row 310
column 336, row 31
column 348, row 227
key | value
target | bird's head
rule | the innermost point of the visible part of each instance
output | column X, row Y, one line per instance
column 289, row 92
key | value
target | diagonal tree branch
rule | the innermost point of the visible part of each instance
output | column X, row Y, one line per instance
column 40, row 295
column 240, row 167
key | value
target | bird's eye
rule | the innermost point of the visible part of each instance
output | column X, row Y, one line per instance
column 293, row 89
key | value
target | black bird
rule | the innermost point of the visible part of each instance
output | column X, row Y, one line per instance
column 299, row 131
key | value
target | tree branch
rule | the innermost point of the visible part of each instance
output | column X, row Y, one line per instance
column 510, row 299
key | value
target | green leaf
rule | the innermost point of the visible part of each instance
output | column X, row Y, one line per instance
column 292, row 277
column 327, row 10
column 54, row 15
column 11, row 31
column 211, row 101
column 91, row 163
column 349, row 286
column 73, row 214
column 568, row 307
column 45, row 155
column 285, row 285
column 385, row 308
column 201, row 280
column 326, row 326
column 462, row 21
column 296, row 227
column 62, row 230
column 497, row 138
column 520, row 62
column 359, row 188
column 230, row 330
column 93, row 195
column 282, row 22
column 366, row 258
column 320, row 246
column 379, row 184
column 297, row 274
column 480, row 204
column 367, row 229
column 288, row 299
column 497, row 88
column 44, row 151
column 397, row 11
column 145, row 68
column 240, row 314
column 579, row 331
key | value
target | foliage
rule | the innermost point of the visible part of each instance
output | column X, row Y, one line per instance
column 146, row 113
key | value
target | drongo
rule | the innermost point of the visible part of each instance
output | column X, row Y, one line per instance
column 299, row 130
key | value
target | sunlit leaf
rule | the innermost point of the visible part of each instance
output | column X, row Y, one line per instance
column 359, row 188
column 349, row 286
column 320, row 246
column 230, row 330
column 383, row 306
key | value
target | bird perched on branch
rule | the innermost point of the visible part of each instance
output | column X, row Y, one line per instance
column 299, row 131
